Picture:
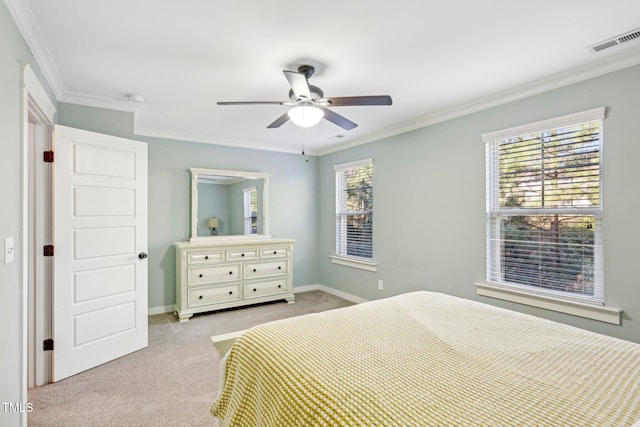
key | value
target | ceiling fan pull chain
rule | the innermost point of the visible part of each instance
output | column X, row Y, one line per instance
column 305, row 144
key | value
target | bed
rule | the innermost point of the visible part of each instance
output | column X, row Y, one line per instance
column 427, row 359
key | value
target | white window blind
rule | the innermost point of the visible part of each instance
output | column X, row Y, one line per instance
column 544, row 207
column 354, row 209
column 250, row 196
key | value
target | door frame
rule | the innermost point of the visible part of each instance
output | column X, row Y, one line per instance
column 34, row 103
column 39, row 267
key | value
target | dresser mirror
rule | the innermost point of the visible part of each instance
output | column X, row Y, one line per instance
column 229, row 204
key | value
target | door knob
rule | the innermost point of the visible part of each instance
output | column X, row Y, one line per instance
column 142, row 255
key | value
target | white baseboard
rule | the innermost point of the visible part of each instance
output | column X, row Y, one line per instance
column 162, row 309
column 297, row 289
column 323, row 288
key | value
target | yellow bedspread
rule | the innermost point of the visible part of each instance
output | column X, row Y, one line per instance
column 428, row 359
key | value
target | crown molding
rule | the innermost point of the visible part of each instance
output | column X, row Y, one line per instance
column 100, row 102
column 24, row 18
column 626, row 59
column 22, row 15
column 228, row 142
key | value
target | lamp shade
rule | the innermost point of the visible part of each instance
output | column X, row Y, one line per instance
column 305, row 115
column 213, row 223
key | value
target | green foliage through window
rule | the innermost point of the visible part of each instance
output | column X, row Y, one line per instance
column 354, row 210
column 544, row 210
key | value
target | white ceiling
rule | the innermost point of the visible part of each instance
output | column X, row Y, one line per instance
column 437, row 60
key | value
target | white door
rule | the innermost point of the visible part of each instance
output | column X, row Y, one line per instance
column 100, row 245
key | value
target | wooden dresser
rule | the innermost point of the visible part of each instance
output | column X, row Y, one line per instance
column 211, row 275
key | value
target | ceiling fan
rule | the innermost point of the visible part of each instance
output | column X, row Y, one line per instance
column 309, row 105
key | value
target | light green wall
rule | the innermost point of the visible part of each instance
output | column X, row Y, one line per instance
column 429, row 199
column 292, row 186
column 12, row 50
column 429, row 196
column 213, row 201
column 429, row 202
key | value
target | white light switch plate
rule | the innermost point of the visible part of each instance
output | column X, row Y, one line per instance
column 9, row 250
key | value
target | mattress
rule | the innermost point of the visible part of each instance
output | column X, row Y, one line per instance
column 427, row 359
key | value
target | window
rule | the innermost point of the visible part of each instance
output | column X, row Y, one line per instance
column 354, row 209
column 250, row 196
column 544, row 207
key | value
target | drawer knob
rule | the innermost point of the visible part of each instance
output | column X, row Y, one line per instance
column 231, row 272
column 254, row 289
column 275, row 252
column 206, row 257
column 279, row 286
column 241, row 254
column 200, row 297
column 254, row 270
column 279, row 267
column 230, row 292
column 200, row 275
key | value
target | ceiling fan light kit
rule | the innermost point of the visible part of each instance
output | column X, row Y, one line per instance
column 309, row 105
column 305, row 115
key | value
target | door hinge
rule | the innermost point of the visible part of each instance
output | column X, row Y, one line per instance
column 47, row 345
column 48, row 250
column 48, row 156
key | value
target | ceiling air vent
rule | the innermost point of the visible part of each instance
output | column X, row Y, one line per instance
column 615, row 41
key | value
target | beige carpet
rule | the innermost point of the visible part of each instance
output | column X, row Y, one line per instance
column 171, row 383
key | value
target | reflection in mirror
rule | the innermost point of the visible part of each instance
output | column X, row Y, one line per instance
column 228, row 203
column 229, row 206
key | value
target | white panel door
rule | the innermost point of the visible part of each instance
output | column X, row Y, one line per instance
column 100, row 241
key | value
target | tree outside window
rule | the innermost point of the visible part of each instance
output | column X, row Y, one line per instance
column 544, row 210
column 354, row 209
column 250, row 196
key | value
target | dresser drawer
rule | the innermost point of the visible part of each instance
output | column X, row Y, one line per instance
column 242, row 254
column 265, row 287
column 213, row 274
column 254, row 270
column 205, row 257
column 205, row 295
column 274, row 252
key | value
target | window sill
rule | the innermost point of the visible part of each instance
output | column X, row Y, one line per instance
column 354, row 263
column 595, row 312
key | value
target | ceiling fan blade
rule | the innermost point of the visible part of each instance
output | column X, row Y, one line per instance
column 360, row 100
column 337, row 119
column 298, row 83
column 279, row 121
column 251, row 103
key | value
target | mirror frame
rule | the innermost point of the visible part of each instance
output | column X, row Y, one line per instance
column 196, row 172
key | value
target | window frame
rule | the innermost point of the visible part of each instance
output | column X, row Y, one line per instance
column 341, row 257
column 551, row 299
column 248, row 195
